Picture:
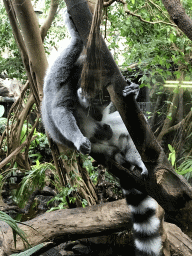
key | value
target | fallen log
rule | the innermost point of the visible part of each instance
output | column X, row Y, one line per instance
column 69, row 224
column 180, row 244
column 72, row 224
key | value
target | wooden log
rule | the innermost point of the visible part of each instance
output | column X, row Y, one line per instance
column 180, row 244
column 72, row 224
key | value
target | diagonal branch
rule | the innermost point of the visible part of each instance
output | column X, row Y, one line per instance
column 47, row 24
column 179, row 16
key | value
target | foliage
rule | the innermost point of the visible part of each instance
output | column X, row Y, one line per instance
column 34, row 179
column 65, row 192
column 185, row 168
column 11, row 65
column 39, row 147
column 57, row 31
column 88, row 165
column 13, row 224
column 154, row 46
column 172, row 155
column 31, row 251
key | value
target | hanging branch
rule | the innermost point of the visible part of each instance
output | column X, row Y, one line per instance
column 91, row 76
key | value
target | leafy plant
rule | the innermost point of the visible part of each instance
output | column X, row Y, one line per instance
column 172, row 155
column 32, row 251
column 88, row 165
column 84, row 203
column 39, row 147
column 16, row 230
column 185, row 168
column 34, row 179
column 10, row 59
column 61, row 197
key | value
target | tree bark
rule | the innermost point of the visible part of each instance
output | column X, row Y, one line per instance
column 163, row 184
column 33, row 41
column 71, row 224
column 178, row 15
column 180, row 244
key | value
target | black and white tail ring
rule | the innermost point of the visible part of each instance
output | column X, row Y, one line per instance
column 145, row 223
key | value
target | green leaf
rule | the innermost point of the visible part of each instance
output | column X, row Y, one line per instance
column 169, row 116
column 170, row 147
column 172, row 37
column 187, row 78
column 172, row 155
column 13, row 224
column 33, row 250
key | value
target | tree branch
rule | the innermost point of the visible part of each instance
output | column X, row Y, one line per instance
column 47, row 24
column 178, row 15
column 15, row 153
column 72, row 224
column 33, row 42
column 108, row 3
column 178, row 125
column 140, row 17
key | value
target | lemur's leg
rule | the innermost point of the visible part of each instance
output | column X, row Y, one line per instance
column 63, row 116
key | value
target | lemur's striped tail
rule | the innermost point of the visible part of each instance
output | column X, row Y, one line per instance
column 145, row 223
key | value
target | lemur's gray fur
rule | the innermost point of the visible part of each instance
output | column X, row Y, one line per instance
column 68, row 120
column 65, row 111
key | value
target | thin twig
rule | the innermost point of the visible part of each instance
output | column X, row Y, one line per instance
column 108, row 3
column 14, row 153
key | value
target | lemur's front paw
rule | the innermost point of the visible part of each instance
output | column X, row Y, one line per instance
column 84, row 146
column 144, row 171
column 84, row 100
column 132, row 88
column 103, row 132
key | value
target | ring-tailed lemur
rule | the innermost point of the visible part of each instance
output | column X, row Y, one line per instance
column 65, row 117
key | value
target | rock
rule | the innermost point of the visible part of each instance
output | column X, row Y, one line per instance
column 81, row 249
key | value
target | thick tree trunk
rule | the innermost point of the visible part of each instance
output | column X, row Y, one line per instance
column 178, row 15
column 33, row 41
column 163, row 184
column 71, row 224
